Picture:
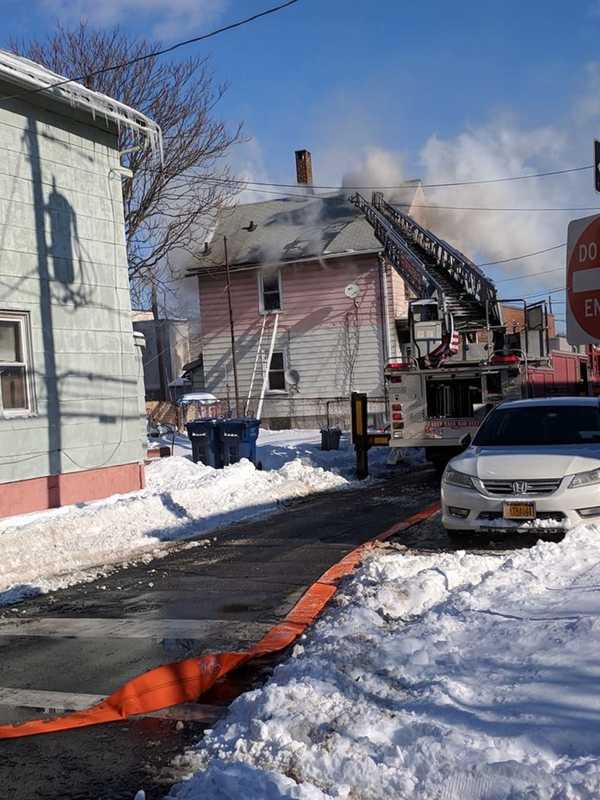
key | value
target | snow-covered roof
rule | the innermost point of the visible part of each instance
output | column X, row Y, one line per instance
column 29, row 75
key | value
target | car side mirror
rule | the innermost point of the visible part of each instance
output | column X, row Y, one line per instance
column 466, row 440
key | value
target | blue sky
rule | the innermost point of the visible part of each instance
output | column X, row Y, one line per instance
column 432, row 89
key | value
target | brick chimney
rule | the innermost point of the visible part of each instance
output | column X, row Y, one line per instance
column 304, row 173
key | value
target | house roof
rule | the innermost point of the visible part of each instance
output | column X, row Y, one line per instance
column 293, row 229
column 28, row 76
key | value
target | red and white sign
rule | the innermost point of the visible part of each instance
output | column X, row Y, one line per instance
column 583, row 281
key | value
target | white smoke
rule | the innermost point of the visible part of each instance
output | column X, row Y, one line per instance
column 503, row 146
column 376, row 168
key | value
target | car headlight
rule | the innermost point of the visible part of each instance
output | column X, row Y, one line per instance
column 455, row 478
column 585, row 478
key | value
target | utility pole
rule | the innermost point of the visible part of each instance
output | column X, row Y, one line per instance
column 159, row 345
column 232, row 329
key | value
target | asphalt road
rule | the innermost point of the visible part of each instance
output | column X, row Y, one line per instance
column 67, row 649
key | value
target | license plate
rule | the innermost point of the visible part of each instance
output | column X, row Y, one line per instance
column 519, row 511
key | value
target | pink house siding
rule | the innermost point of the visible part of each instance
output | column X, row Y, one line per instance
column 335, row 344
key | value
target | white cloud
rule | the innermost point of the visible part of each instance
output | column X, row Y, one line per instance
column 167, row 18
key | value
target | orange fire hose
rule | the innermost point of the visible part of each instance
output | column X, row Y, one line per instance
column 185, row 681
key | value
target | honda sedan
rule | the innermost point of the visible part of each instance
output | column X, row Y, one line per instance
column 533, row 465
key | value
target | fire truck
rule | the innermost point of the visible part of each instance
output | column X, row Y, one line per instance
column 457, row 358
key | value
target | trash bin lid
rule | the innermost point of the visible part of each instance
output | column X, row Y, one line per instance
column 203, row 398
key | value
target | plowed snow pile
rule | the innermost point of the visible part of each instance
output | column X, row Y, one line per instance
column 182, row 500
column 446, row 677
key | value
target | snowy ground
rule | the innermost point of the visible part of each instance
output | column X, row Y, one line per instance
column 182, row 500
column 447, row 677
column 276, row 448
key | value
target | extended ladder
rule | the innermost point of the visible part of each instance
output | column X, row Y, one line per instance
column 431, row 267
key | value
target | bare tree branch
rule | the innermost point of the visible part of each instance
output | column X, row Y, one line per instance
column 166, row 208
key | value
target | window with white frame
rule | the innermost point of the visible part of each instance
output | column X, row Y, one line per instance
column 277, row 372
column 269, row 283
column 15, row 364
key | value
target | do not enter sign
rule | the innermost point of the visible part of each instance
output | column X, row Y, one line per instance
column 583, row 281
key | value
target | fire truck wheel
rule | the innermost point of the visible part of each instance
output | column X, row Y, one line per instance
column 458, row 536
column 439, row 467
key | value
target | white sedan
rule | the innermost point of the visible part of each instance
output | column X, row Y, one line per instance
column 533, row 464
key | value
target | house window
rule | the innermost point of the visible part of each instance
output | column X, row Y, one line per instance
column 277, row 373
column 15, row 367
column 269, row 282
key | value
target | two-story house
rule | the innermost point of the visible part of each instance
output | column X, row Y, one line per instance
column 312, row 263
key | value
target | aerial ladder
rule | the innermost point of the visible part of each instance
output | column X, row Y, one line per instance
column 434, row 271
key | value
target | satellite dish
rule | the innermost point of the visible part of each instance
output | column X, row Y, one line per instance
column 292, row 376
column 352, row 291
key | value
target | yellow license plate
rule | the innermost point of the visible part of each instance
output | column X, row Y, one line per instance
column 519, row 511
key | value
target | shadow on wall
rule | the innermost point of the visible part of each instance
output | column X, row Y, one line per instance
column 45, row 304
column 68, row 263
column 64, row 253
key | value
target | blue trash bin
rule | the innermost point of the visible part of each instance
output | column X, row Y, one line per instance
column 330, row 438
column 206, row 443
column 238, row 439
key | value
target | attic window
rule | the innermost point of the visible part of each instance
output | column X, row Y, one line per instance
column 269, row 283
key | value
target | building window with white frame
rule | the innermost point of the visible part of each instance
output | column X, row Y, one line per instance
column 269, row 285
column 15, row 365
column 277, row 373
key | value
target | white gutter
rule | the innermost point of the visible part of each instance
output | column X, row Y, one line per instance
column 29, row 75
column 386, row 308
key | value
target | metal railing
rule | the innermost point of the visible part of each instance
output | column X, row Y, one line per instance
column 397, row 231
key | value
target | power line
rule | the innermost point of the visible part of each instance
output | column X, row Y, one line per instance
column 545, row 292
column 154, row 54
column 525, row 255
column 412, row 184
column 503, row 208
column 432, row 207
column 530, row 275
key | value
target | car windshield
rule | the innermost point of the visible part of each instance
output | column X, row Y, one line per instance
column 540, row 425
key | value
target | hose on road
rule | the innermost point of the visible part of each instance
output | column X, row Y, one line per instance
column 185, row 681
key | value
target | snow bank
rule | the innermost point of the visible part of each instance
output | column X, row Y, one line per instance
column 276, row 448
column 183, row 500
column 440, row 677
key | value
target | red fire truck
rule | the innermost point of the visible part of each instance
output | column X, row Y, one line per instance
column 458, row 357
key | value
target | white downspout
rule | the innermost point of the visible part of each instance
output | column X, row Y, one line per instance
column 386, row 308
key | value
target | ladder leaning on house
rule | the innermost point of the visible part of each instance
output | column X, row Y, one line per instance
column 266, row 364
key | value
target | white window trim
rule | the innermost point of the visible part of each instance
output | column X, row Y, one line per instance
column 24, row 322
column 261, row 294
column 280, row 392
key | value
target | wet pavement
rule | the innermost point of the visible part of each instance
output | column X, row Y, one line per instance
column 87, row 640
column 59, row 650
